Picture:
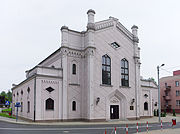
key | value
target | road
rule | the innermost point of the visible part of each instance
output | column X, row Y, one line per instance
column 11, row 128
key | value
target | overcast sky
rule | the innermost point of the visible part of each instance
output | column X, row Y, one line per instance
column 30, row 31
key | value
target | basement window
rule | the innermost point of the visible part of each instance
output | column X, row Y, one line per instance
column 115, row 45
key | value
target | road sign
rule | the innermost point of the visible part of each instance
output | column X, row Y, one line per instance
column 7, row 103
column 17, row 104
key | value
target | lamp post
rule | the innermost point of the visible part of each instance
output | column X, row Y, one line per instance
column 159, row 99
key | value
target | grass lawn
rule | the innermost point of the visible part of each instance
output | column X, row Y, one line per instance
column 7, row 110
column 7, row 115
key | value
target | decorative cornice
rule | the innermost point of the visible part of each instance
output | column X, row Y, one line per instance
column 89, row 51
column 104, row 25
column 124, row 30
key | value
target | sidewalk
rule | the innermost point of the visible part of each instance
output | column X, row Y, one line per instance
column 168, row 118
column 164, row 131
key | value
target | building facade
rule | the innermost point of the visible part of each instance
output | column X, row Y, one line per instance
column 170, row 92
column 94, row 75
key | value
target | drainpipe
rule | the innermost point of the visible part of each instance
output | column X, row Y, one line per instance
column 35, row 99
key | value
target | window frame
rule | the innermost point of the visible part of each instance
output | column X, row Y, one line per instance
column 21, row 106
column 145, row 106
column 124, row 73
column 106, row 70
column 28, row 107
column 177, row 83
column 74, row 105
column 74, row 69
column 49, row 103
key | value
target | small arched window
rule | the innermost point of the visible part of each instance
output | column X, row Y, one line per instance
column 74, row 106
column 124, row 73
column 106, row 70
column 28, row 90
column 146, row 106
column 49, row 104
column 74, row 69
column 21, row 92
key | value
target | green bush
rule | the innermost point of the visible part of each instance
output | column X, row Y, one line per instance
column 163, row 114
column 155, row 112
column 6, row 110
column 174, row 113
column 7, row 115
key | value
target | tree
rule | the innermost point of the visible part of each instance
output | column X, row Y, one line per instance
column 9, row 95
column 153, row 80
column 3, row 93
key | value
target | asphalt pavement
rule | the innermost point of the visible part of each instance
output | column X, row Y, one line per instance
column 13, row 128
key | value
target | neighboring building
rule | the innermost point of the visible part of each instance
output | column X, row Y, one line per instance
column 170, row 92
column 94, row 75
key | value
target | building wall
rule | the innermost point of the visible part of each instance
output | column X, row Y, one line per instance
column 103, row 39
column 171, row 93
column 42, row 95
column 24, row 98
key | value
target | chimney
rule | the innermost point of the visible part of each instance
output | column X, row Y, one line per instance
column 64, row 36
column 134, row 30
column 91, row 14
column 90, row 24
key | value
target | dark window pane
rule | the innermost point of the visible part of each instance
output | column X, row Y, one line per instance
column 103, row 60
column 145, row 106
column 28, row 107
column 108, row 61
column 106, row 70
column 49, row 104
column 74, row 69
column 124, row 73
column 126, row 64
column 122, row 63
column 73, row 106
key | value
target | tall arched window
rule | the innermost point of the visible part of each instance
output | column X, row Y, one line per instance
column 106, row 70
column 49, row 104
column 124, row 73
column 74, row 106
column 146, row 106
column 74, row 69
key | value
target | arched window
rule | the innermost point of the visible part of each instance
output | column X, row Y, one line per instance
column 146, row 106
column 74, row 106
column 106, row 70
column 49, row 104
column 28, row 90
column 74, row 69
column 124, row 73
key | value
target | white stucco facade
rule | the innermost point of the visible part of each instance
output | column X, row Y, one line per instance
column 93, row 99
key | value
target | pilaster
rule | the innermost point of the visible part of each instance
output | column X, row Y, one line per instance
column 64, row 84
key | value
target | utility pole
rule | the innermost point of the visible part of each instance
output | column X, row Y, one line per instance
column 159, row 99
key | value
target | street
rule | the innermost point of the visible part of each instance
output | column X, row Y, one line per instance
column 11, row 128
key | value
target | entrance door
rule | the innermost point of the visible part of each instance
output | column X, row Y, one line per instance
column 114, row 111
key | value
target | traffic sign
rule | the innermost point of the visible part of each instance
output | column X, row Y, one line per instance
column 17, row 104
column 7, row 103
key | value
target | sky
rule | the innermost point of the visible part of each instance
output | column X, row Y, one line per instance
column 30, row 31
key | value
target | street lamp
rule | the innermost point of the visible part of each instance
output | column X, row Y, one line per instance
column 159, row 101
